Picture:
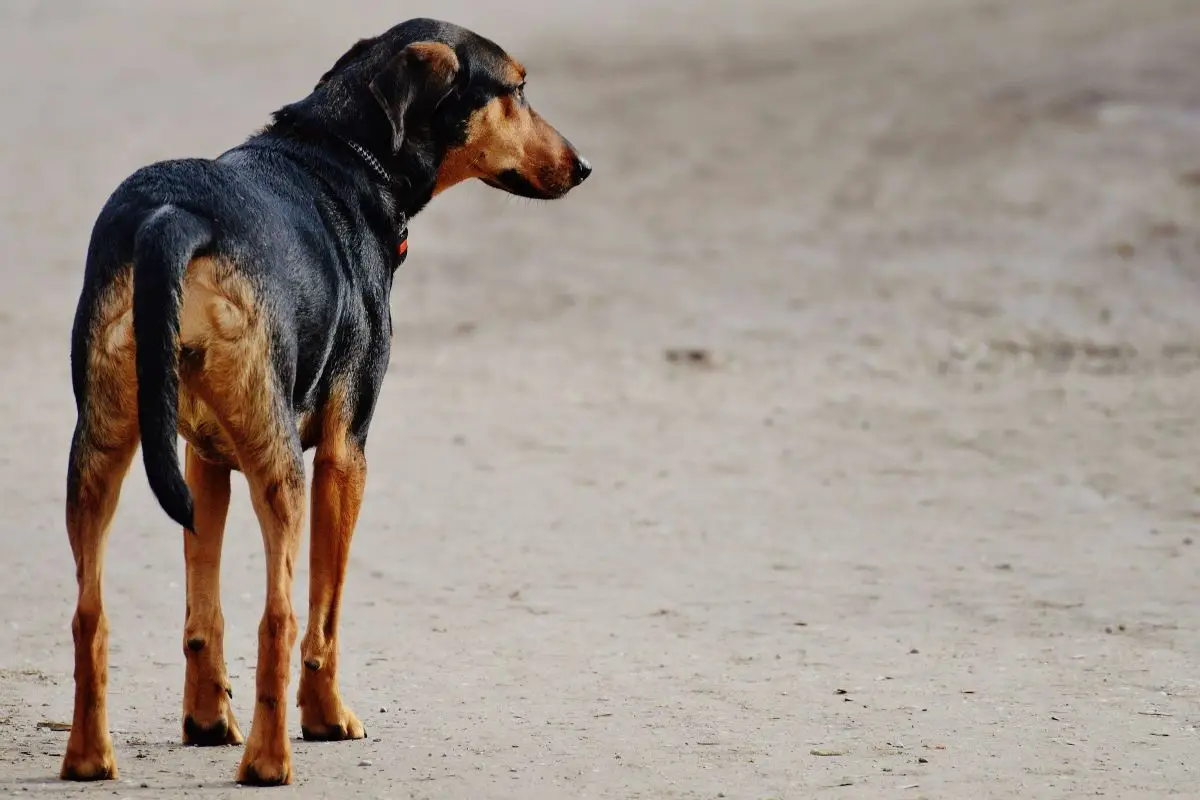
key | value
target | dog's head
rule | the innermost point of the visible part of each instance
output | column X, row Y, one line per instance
column 447, row 105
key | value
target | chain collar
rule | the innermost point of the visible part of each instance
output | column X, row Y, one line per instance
column 370, row 160
column 401, row 252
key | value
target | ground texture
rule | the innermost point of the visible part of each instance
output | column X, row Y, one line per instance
column 838, row 438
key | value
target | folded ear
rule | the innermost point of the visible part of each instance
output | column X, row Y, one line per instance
column 423, row 70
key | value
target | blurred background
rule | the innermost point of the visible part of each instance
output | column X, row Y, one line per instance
column 839, row 432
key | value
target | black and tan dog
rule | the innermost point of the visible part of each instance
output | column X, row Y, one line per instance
column 243, row 302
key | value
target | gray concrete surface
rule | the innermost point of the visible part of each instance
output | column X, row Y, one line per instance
column 929, row 510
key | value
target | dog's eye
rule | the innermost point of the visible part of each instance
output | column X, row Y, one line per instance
column 519, row 92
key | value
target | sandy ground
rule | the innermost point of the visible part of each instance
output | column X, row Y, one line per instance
column 928, row 508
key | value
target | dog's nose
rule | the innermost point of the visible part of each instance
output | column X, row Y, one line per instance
column 582, row 169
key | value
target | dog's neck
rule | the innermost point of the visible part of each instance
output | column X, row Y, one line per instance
column 407, row 177
column 370, row 160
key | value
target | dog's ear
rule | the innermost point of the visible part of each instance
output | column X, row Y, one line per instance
column 360, row 47
column 424, row 70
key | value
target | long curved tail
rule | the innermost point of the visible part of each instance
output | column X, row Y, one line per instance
column 164, row 246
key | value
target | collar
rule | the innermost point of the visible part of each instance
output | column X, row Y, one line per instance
column 377, row 168
column 371, row 161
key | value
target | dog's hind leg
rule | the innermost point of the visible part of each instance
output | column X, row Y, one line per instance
column 94, row 487
column 102, row 448
column 339, row 475
column 232, row 370
column 207, row 713
column 277, row 492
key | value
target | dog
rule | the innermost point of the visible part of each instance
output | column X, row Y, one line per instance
column 242, row 302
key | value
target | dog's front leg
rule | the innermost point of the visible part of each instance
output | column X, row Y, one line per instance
column 339, row 474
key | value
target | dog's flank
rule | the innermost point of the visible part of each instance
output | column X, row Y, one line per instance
column 243, row 303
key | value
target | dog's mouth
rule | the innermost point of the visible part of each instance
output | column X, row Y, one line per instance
column 517, row 184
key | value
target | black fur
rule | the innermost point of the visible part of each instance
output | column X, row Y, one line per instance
column 304, row 218
column 162, row 248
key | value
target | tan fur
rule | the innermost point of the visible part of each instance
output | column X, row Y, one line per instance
column 228, row 372
column 339, row 477
column 507, row 135
column 112, row 410
column 279, row 504
column 110, row 435
column 440, row 59
column 231, row 415
column 515, row 72
column 89, row 753
column 207, row 714
column 225, row 375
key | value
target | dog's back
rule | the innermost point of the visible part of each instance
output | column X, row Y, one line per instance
column 227, row 276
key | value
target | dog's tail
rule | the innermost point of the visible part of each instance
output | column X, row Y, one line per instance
column 163, row 247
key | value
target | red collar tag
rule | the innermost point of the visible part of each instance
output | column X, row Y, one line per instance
column 402, row 242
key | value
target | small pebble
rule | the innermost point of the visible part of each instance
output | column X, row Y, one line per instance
column 383, row 710
column 364, row 763
column 694, row 356
column 922, row 760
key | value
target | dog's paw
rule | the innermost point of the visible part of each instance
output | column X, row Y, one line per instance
column 98, row 764
column 222, row 732
column 262, row 766
column 347, row 727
